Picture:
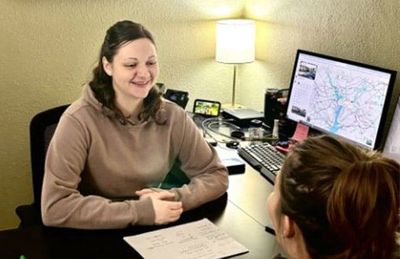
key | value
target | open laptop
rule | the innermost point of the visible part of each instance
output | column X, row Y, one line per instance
column 392, row 144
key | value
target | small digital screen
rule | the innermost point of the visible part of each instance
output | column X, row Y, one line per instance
column 206, row 108
column 340, row 97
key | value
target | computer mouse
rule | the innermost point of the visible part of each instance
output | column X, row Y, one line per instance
column 232, row 144
column 237, row 134
column 256, row 123
column 283, row 144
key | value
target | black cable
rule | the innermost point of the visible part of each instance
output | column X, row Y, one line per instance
column 206, row 127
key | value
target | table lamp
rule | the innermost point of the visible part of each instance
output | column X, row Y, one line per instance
column 235, row 44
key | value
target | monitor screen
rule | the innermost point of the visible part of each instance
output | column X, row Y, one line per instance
column 340, row 97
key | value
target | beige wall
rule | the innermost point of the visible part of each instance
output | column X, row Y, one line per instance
column 362, row 30
column 48, row 48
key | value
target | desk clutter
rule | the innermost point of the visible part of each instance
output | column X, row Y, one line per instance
column 227, row 137
column 236, row 145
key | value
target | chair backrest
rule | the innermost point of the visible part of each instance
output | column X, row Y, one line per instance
column 41, row 129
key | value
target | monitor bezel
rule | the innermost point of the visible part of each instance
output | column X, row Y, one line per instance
column 379, row 136
column 391, row 133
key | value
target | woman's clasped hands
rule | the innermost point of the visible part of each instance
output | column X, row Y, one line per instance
column 165, row 207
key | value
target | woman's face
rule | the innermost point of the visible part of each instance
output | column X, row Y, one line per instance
column 273, row 203
column 284, row 230
column 134, row 70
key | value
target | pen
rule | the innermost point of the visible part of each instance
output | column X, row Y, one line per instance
column 270, row 230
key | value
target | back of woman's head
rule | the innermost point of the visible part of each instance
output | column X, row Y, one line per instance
column 344, row 200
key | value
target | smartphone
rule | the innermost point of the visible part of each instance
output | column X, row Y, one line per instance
column 207, row 108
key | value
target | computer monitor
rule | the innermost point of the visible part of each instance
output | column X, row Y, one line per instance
column 392, row 144
column 340, row 97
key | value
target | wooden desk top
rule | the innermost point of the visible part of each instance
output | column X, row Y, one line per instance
column 44, row 242
column 242, row 213
column 249, row 192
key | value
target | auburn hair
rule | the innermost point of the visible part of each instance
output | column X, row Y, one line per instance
column 345, row 200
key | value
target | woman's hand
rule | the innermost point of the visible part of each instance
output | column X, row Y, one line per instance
column 156, row 193
column 166, row 210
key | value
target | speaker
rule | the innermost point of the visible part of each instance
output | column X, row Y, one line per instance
column 179, row 97
column 275, row 104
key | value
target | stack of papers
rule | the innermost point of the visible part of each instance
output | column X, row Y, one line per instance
column 231, row 159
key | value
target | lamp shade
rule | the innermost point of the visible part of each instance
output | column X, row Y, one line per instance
column 235, row 41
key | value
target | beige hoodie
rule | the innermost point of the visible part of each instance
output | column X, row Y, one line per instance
column 95, row 164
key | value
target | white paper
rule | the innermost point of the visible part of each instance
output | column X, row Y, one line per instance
column 229, row 156
column 196, row 240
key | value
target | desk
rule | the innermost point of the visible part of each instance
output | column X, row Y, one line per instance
column 249, row 192
column 241, row 213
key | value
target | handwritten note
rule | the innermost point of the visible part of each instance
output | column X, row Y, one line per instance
column 196, row 240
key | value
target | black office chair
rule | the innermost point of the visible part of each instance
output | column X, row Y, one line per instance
column 41, row 131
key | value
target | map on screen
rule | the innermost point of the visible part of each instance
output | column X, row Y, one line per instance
column 339, row 98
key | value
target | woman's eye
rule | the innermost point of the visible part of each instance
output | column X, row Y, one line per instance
column 151, row 63
column 130, row 65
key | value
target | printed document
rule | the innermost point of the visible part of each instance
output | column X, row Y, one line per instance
column 196, row 240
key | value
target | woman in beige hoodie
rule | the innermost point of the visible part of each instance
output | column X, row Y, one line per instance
column 121, row 137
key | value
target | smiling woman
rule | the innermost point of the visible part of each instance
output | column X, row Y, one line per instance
column 126, row 72
column 134, row 70
column 121, row 137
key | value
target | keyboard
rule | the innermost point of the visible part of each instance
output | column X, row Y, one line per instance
column 264, row 158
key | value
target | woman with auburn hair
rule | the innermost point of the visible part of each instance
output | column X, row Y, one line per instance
column 334, row 200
